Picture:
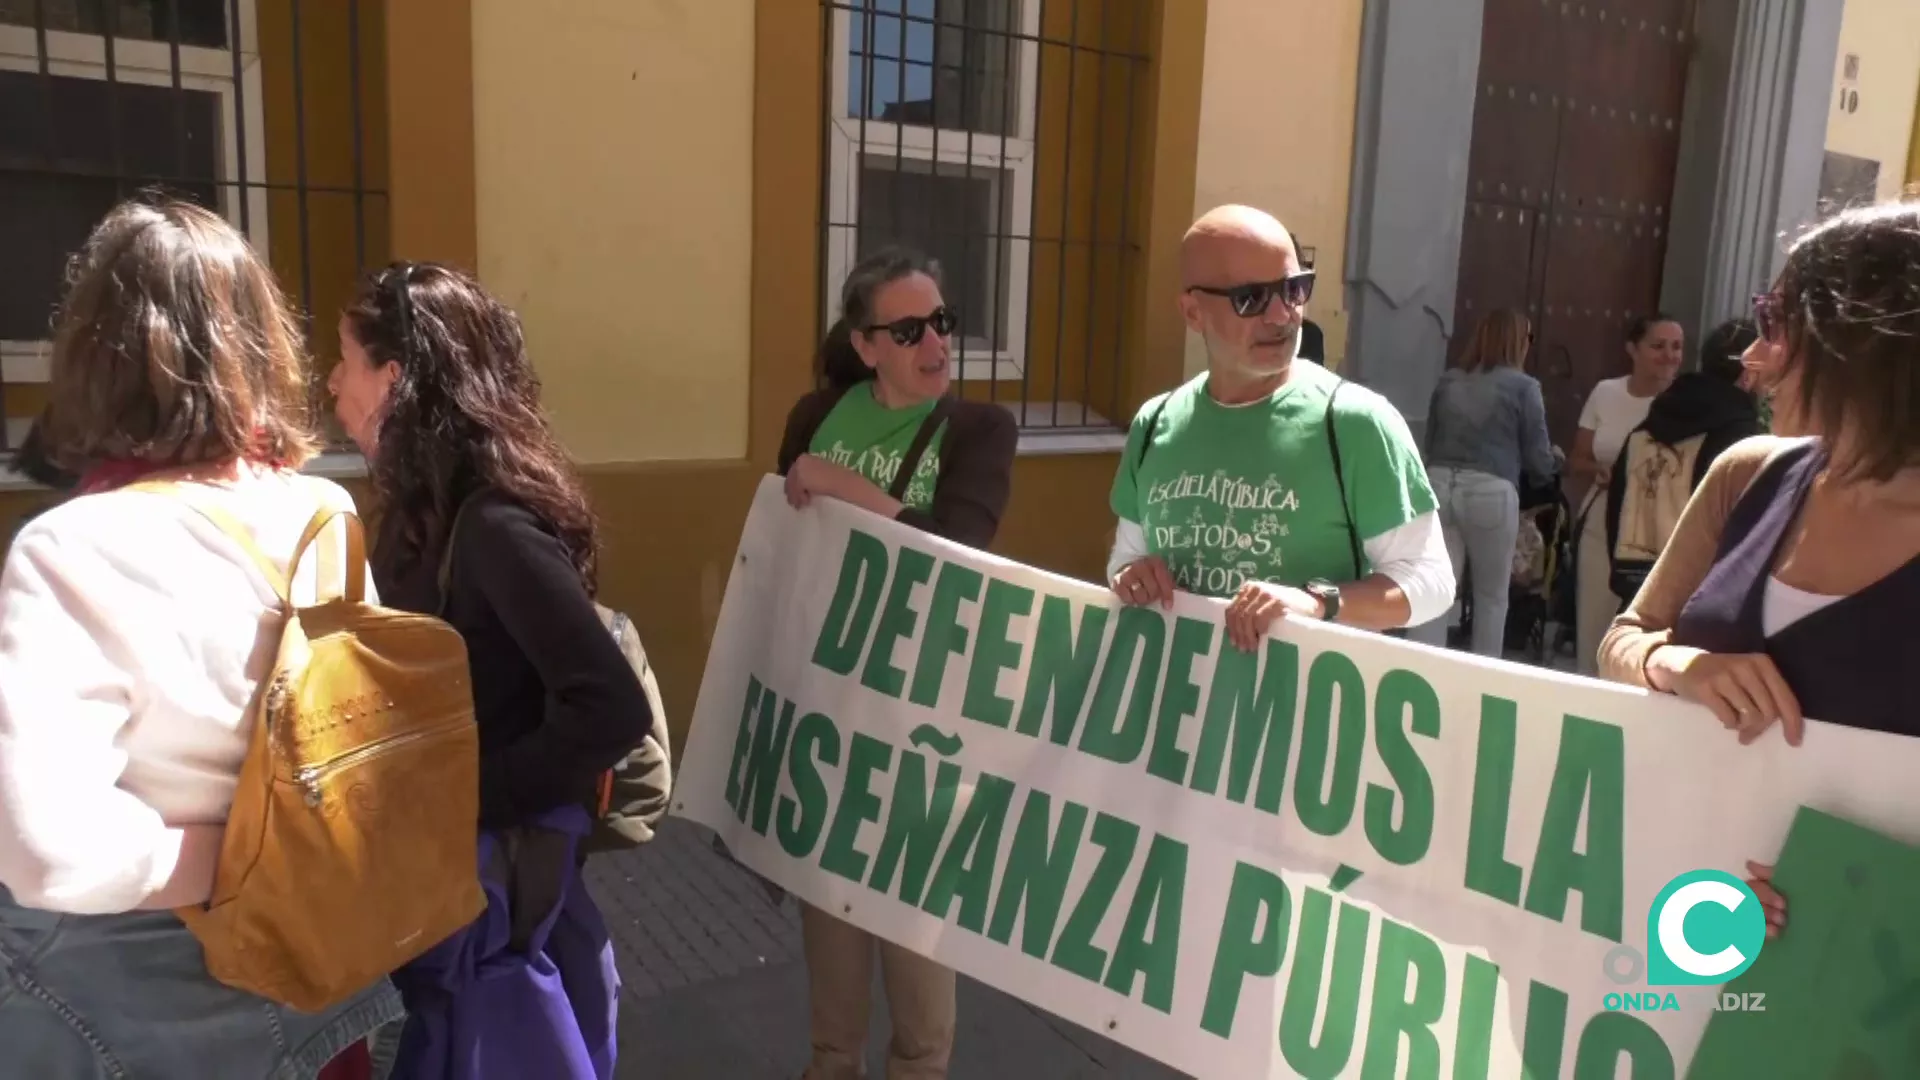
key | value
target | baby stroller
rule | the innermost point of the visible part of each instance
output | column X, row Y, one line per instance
column 1541, row 593
column 1540, row 606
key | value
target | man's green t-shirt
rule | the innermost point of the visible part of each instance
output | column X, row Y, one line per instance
column 873, row 440
column 1231, row 494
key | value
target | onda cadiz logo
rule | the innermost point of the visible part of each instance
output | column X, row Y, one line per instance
column 1703, row 929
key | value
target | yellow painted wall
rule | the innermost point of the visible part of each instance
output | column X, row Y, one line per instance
column 1885, row 35
column 613, row 161
column 1276, row 132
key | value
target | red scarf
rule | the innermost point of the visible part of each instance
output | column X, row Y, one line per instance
column 119, row 472
column 109, row 475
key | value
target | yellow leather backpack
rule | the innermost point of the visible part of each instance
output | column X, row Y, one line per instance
column 352, row 843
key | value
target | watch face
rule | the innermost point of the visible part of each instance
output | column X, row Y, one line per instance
column 1329, row 597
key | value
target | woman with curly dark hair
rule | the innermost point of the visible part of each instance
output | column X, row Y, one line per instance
column 1781, row 593
column 435, row 386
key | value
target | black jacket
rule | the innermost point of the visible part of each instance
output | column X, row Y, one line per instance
column 555, row 700
column 1699, row 404
column 1696, row 405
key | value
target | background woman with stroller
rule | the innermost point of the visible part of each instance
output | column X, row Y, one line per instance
column 1487, row 425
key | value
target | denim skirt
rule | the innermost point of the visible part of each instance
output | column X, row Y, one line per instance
column 128, row 997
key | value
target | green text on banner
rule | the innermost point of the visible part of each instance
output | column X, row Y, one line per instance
column 1340, row 856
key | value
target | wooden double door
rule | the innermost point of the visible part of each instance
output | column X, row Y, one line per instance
column 1576, row 134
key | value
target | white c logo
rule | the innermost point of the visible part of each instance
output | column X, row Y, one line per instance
column 1673, row 934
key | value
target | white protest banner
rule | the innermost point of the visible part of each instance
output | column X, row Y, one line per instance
column 1340, row 856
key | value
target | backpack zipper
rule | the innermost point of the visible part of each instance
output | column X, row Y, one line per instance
column 311, row 777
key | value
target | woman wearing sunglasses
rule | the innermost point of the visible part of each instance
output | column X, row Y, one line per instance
column 1784, row 589
column 882, row 435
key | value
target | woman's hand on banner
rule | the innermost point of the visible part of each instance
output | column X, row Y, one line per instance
column 802, row 484
column 1744, row 690
column 811, row 475
column 1771, row 901
column 1144, row 582
column 1258, row 603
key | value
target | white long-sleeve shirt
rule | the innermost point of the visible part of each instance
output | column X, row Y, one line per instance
column 133, row 637
column 1413, row 556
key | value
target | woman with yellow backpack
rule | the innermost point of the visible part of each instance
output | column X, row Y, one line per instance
column 140, row 622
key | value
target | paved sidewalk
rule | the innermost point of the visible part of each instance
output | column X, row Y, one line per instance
column 716, row 988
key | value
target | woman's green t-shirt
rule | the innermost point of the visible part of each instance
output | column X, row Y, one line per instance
column 872, row 440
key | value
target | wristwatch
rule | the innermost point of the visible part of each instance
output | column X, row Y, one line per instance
column 1329, row 596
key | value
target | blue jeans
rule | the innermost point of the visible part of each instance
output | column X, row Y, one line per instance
column 1480, row 518
column 128, row 997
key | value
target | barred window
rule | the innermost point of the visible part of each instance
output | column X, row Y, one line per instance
column 260, row 110
column 994, row 135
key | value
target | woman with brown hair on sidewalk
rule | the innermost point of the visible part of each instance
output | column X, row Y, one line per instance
column 1781, row 593
column 883, row 436
column 135, row 635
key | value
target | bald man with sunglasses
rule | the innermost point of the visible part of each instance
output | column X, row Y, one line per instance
column 1271, row 483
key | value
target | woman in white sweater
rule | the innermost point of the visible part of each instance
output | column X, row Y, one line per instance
column 134, row 634
column 1656, row 344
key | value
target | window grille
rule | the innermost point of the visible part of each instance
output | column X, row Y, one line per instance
column 269, row 112
column 997, row 137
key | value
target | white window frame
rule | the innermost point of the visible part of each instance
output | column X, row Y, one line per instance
column 1008, row 156
column 150, row 63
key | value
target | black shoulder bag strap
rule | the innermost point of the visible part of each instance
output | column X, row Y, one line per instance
column 1340, row 481
column 1339, row 474
column 1146, row 441
column 445, row 578
column 942, row 411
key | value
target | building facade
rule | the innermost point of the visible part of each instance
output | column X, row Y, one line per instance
column 663, row 190
column 669, row 191
column 1587, row 162
column 1872, row 151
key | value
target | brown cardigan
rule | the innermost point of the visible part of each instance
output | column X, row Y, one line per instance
column 1647, row 623
column 976, row 465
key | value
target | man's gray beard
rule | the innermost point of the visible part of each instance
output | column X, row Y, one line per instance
column 1293, row 353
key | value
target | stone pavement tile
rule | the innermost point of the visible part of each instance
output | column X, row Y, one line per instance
column 716, row 988
column 754, row 1027
column 682, row 915
column 1004, row 1038
column 751, row 1026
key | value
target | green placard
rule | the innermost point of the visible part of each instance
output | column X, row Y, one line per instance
column 1842, row 984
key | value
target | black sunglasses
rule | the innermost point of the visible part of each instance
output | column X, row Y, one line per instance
column 1769, row 317
column 1253, row 299
column 908, row 331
